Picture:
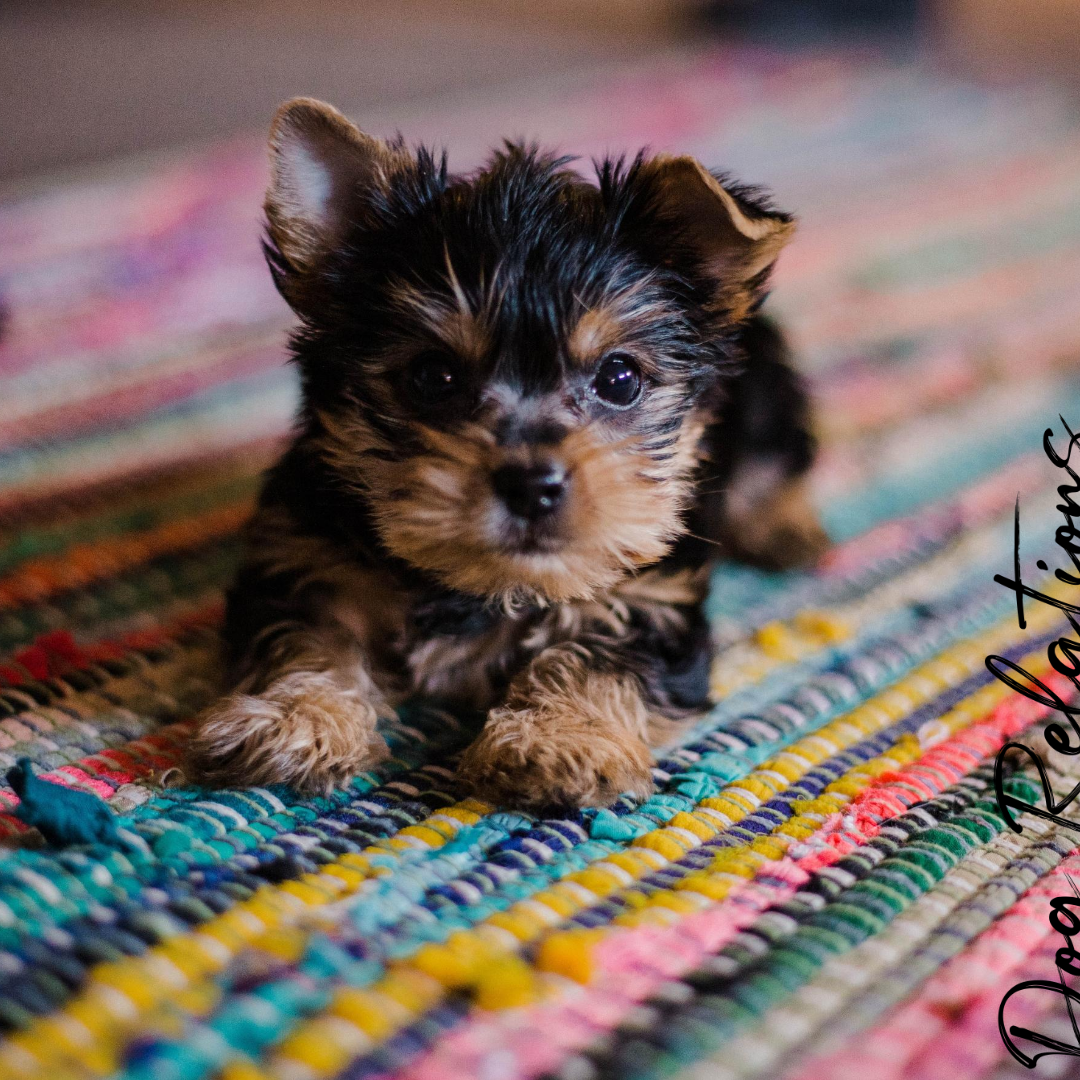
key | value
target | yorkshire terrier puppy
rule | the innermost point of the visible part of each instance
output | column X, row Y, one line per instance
column 535, row 410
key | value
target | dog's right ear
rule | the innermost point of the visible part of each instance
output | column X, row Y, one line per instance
column 323, row 170
column 679, row 212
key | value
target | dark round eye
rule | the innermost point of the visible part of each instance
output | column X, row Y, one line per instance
column 434, row 378
column 618, row 381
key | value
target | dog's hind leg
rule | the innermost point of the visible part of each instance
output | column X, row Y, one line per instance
column 753, row 495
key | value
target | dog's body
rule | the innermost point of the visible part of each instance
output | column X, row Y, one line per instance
column 535, row 412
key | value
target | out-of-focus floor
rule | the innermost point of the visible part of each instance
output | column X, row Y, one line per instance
column 83, row 83
column 932, row 298
column 822, row 885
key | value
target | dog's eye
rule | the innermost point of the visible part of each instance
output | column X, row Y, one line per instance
column 434, row 378
column 618, row 381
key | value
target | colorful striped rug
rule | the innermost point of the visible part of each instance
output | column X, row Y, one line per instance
column 822, row 886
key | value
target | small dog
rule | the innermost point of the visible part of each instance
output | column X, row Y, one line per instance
column 535, row 409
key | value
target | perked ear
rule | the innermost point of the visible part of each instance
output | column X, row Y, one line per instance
column 734, row 240
column 321, row 168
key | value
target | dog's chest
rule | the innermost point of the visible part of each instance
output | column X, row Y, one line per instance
column 464, row 650
column 434, row 643
column 461, row 649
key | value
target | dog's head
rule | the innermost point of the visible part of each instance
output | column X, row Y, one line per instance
column 513, row 369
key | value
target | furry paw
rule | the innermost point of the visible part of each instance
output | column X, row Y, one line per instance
column 303, row 730
column 532, row 761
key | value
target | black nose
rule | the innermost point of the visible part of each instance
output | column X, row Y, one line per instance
column 530, row 491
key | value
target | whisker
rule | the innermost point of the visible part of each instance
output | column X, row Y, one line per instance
column 705, row 539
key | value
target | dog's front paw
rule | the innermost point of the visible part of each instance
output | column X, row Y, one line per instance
column 303, row 730
column 533, row 761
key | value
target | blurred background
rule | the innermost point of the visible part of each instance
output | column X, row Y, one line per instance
column 931, row 152
column 83, row 82
column 931, row 149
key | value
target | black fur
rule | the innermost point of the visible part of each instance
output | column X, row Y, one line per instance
column 552, row 241
column 555, row 241
column 553, row 244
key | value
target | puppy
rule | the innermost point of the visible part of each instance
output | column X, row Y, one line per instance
column 535, row 411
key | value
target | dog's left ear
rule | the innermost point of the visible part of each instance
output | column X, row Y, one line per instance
column 323, row 173
column 732, row 237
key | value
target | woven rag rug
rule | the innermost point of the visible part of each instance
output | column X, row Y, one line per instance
column 822, row 886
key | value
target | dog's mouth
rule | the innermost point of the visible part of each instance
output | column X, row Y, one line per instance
column 561, row 529
column 531, row 538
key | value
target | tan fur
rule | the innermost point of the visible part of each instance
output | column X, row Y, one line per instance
column 430, row 511
column 735, row 246
column 688, row 449
column 460, row 669
column 566, row 736
column 596, row 331
column 348, row 437
column 616, row 324
column 456, row 325
column 772, row 522
column 306, row 714
column 578, row 605
column 655, row 588
column 312, row 729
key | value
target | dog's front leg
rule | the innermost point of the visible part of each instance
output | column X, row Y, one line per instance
column 569, row 735
column 304, row 714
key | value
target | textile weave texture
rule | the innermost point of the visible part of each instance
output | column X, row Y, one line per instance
column 822, row 885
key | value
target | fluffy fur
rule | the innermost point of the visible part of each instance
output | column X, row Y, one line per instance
column 458, row 330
